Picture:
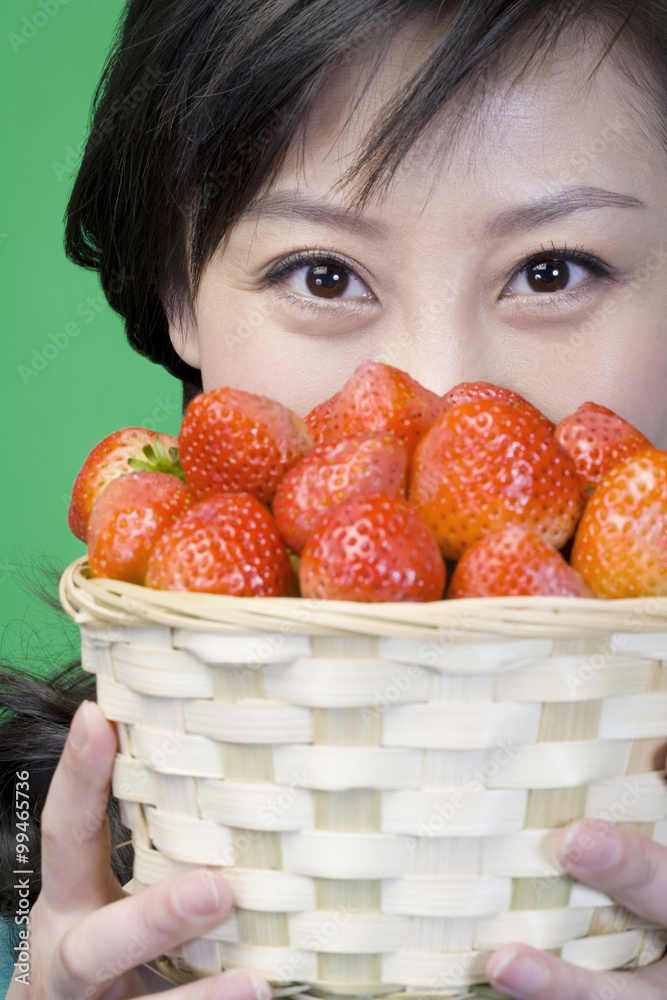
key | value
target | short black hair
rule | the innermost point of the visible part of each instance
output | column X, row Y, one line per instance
column 200, row 99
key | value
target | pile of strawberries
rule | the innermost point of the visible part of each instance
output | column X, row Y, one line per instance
column 385, row 492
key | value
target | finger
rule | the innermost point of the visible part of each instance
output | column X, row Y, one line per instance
column 622, row 864
column 527, row 974
column 76, row 849
column 233, row 985
column 122, row 935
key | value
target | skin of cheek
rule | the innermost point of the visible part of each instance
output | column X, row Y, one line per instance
column 624, row 361
column 241, row 342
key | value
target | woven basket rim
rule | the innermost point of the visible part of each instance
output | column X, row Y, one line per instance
column 101, row 601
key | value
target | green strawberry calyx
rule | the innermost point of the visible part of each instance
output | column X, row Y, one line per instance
column 157, row 460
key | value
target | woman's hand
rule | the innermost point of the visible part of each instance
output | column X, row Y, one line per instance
column 86, row 934
column 621, row 864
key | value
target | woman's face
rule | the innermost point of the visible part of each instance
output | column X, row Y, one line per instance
column 533, row 256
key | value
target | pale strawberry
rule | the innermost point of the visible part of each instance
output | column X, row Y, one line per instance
column 235, row 442
column 487, row 464
column 332, row 472
column 126, row 450
column 378, row 397
column 226, row 544
column 372, row 548
column 513, row 562
column 468, row 392
column 127, row 519
column 317, row 420
column 620, row 547
column 597, row 439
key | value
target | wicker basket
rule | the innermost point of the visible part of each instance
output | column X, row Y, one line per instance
column 379, row 783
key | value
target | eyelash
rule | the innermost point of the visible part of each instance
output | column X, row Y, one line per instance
column 312, row 258
column 577, row 255
column 305, row 258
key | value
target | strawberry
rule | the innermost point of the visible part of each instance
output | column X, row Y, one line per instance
column 117, row 454
column 620, row 547
column 467, row 392
column 226, row 544
column 597, row 439
column 486, row 464
column 318, row 418
column 332, row 472
column 372, row 548
column 127, row 519
column 235, row 442
column 378, row 397
column 513, row 562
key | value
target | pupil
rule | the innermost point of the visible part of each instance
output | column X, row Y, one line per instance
column 549, row 276
column 327, row 280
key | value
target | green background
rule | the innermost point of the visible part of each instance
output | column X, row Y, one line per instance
column 56, row 405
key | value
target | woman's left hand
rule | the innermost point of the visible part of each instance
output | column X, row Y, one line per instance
column 623, row 865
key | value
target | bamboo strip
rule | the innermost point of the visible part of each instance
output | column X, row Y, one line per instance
column 504, row 616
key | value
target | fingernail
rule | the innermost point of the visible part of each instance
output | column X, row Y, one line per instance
column 592, row 849
column 80, row 729
column 520, row 974
column 198, row 895
column 244, row 984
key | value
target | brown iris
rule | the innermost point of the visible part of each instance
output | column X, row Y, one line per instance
column 549, row 276
column 327, row 280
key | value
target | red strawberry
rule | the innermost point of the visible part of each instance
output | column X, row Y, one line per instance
column 597, row 439
column 127, row 519
column 318, row 418
column 235, row 442
column 119, row 453
column 378, row 397
column 332, row 472
column 468, row 392
column 620, row 547
column 372, row 548
column 513, row 562
column 487, row 464
column 226, row 544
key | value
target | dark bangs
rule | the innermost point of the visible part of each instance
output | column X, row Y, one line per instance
column 200, row 100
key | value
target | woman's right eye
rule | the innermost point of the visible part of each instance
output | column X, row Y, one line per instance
column 319, row 277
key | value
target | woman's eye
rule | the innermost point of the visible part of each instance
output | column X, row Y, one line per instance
column 323, row 279
column 548, row 276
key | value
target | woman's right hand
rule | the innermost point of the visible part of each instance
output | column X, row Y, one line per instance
column 83, row 926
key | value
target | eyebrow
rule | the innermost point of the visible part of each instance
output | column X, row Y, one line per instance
column 564, row 203
column 288, row 206
column 524, row 217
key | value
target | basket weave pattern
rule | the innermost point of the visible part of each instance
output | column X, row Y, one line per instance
column 380, row 784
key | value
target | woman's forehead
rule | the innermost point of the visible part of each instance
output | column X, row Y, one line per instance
column 559, row 124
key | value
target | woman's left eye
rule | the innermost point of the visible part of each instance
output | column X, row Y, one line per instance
column 556, row 274
column 320, row 277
